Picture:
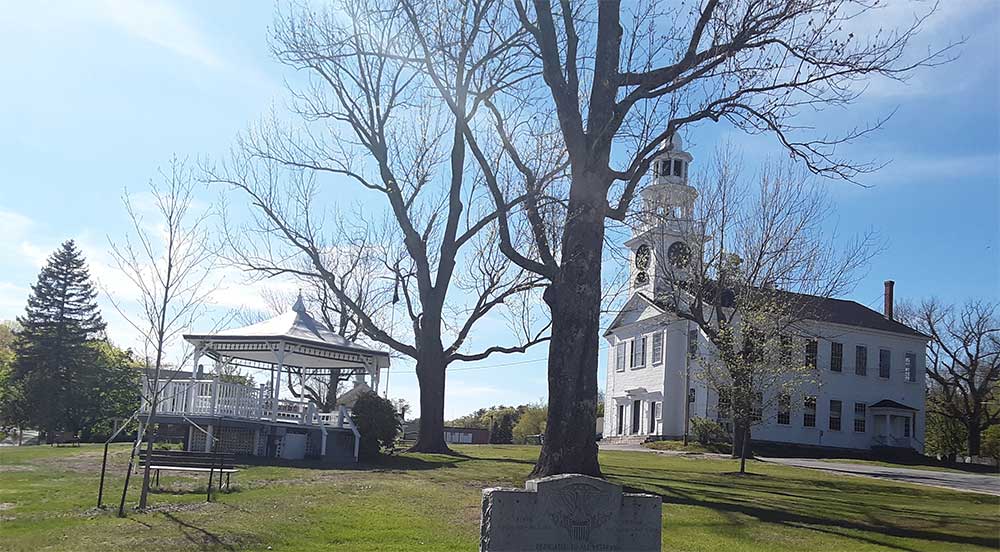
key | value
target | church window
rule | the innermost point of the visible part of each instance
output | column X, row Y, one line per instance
column 859, row 417
column 785, row 409
column 884, row 363
column 910, row 362
column 657, row 348
column 677, row 167
column 861, row 360
column 620, row 357
column 809, row 412
column 639, row 352
column 693, row 343
column 835, row 407
column 812, row 349
column 836, row 357
column 756, row 407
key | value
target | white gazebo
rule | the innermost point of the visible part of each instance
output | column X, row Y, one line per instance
column 255, row 420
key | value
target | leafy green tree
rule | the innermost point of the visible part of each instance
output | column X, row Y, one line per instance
column 55, row 365
column 115, row 390
column 12, row 408
column 531, row 422
column 991, row 443
column 502, row 430
column 377, row 422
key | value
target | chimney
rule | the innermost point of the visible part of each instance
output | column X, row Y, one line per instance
column 888, row 299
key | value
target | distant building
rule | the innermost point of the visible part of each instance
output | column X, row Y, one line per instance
column 456, row 435
column 466, row 435
column 871, row 367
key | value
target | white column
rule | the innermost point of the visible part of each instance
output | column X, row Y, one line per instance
column 208, row 438
column 280, row 357
column 192, row 386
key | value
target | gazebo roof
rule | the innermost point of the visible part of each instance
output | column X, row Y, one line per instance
column 291, row 339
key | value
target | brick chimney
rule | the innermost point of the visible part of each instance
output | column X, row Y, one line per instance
column 888, row 299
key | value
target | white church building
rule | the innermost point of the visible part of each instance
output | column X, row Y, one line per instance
column 870, row 368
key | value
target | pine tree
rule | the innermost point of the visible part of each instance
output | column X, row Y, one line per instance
column 55, row 367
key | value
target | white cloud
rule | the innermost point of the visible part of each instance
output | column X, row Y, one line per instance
column 162, row 24
column 154, row 21
column 12, row 299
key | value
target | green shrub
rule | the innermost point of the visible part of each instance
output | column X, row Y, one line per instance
column 707, row 431
column 990, row 445
column 377, row 422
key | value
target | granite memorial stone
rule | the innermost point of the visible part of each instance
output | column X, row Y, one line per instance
column 569, row 513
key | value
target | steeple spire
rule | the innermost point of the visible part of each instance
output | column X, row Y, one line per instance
column 299, row 306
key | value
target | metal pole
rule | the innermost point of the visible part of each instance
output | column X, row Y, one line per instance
column 687, row 384
column 104, row 465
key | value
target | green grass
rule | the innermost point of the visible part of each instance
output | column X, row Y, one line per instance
column 431, row 502
column 692, row 446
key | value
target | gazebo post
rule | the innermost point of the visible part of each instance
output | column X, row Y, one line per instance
column 191, row 392
column 279, row 355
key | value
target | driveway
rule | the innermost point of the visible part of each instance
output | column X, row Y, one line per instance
column 969, row 482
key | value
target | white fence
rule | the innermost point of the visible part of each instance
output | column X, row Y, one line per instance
column 234, row 400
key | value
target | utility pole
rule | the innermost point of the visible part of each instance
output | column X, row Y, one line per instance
column 687, row 383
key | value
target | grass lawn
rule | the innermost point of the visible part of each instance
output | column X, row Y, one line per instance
column 431, row 502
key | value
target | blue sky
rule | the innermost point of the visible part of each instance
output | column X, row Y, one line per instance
column 95, row 96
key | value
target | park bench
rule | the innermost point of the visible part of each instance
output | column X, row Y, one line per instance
column 59, row 438
column 183, row 461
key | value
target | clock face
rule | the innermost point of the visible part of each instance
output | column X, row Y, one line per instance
column 642, row 256
column 679, row 254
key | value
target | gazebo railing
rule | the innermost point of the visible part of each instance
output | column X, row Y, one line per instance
column 212, row 397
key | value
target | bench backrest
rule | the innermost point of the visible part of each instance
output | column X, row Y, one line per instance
column 185, row 459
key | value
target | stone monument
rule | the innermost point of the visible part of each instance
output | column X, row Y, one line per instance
column 569, row 513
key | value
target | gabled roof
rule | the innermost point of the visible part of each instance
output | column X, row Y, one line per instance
column 313, row 345
column 637, row 299
column 350, row 397
column 887, row 403
column 811, row 307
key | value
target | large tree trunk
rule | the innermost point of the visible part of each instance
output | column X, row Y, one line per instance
column 431, row 378
column 575, row 300
column 975, row 437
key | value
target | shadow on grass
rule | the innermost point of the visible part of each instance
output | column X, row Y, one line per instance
column 198, row 536
column 721, row 498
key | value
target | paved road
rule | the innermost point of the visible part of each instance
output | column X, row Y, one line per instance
column 969, row 482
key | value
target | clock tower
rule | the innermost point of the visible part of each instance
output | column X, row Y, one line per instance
column 664, row 238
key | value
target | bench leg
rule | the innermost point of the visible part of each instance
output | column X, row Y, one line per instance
column 157, row 479
column 227, row 481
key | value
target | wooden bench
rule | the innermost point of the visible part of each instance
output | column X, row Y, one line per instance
column 58, row 438
column 222, row 463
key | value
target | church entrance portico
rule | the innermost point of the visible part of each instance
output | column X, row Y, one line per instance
column 637, row 413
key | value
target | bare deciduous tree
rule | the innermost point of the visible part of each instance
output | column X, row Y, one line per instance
column 963, row 363
column 168, row 260
column 617, row 82
column 373, row 125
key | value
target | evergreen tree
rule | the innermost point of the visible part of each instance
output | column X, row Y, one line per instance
column 502, row 431
column 55, row 366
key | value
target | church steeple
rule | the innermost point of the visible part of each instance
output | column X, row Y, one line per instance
column 660, row 240
column 669, row 197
